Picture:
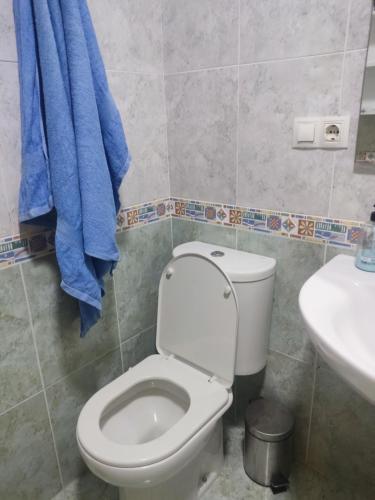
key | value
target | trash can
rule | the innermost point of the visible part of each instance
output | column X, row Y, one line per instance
column 269, row 428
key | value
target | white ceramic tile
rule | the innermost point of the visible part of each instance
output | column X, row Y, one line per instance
column 129, row 33
column 8, row 51
column 271, row 174
column 200, row 34
column 354, row 190
column 10, row 132
column 291, row 28
column 5, row 224
column 360, row 17
column 140, row 99
column 202, row 134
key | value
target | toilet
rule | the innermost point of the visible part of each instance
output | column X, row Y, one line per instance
column 156, row 431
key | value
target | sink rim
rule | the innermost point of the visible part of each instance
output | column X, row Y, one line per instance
column 359, row 374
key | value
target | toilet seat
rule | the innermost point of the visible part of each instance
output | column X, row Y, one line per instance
column 208, row 398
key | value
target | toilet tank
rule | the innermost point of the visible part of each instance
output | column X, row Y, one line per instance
column 252, row 276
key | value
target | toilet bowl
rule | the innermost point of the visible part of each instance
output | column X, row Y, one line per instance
column 155, row 431
column 143, row 427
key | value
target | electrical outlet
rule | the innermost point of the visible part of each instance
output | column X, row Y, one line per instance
column 327, row 132
column 334, row 132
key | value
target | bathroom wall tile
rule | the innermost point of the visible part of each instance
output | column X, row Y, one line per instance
column 291, row 382
column 202, row 134
column 138, row 347
column 140, row 99
column 19, row 372
column 5, row 222
column 8, row 51
column 307, row 484
column 129, row 34
column 56, row 322
column 66, row 399
column 10, row 138
column 292, row 28
column 332, row 252
column 359, row 26
column 88, row 487
column 343, row 434
column 199, row 34
column 233, row 483
column 353, row 189
column 271, row 174
column 296, row 262
column 145, row 253
column 186, row 230
column 28, row 462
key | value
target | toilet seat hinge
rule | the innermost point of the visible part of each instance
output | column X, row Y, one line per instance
column 213, row 378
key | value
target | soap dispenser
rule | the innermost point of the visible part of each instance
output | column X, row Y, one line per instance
column 365, row 259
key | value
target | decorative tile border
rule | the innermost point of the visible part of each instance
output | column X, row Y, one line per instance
column 30, row 245
column 339, row 233
column 145, row 213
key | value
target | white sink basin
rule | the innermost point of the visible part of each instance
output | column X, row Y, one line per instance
column 338, row 306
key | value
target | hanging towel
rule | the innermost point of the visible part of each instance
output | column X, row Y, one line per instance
column 74, row 152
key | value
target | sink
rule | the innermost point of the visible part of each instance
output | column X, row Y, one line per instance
column 338, row 306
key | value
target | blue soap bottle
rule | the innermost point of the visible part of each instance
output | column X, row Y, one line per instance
column 365, row 259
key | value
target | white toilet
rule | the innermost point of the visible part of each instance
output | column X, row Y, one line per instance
column 155, row 431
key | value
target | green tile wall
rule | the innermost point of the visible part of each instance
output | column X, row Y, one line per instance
column 50, row 373
column 47, row 372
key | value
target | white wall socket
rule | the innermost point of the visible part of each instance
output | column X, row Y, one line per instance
column 327, row 132
column 334, row 132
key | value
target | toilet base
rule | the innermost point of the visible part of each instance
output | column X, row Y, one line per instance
column 193, row 480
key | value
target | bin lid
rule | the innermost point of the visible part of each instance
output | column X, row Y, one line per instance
column 269, row 420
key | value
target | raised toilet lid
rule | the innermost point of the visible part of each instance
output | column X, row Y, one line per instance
column 198, row 316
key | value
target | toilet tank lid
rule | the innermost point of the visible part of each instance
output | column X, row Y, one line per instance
column 240, row 267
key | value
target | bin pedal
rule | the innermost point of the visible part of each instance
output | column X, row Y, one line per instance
column 279, row 484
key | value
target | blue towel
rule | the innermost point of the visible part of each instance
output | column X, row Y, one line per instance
column 74, row 152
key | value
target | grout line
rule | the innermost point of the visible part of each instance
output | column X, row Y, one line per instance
column 290, row 357
column 265, row 61
column 41, row 376
column 141, row 73
column 138, row 333
column 238, row 111
column 238, row 100
column 172, row 239
column 344, row 54
column 198, row 70
column 341, row 97
column 81, row 367
column 165, row 104
column 311, row 407
column 118, row 323
column 348, row 18
column 11, row 61
column 38, row 393
column 332, row 183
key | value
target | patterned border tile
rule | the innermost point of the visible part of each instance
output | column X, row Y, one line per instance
column 339, row 233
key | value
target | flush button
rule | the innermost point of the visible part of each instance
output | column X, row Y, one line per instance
column 217, row 253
